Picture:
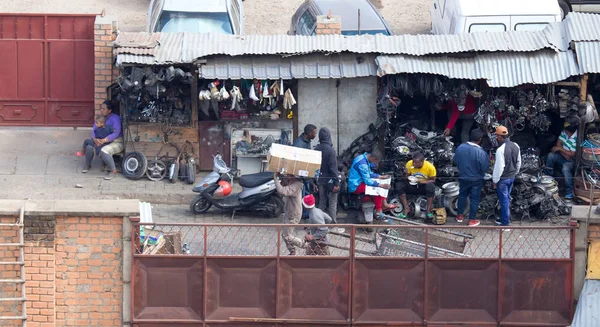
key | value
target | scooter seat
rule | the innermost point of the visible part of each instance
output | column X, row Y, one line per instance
column 254, row 180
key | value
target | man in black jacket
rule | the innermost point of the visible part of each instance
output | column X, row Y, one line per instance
column 328, row 181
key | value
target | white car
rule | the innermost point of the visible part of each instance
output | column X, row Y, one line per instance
column 471, row 16
column 201, row 16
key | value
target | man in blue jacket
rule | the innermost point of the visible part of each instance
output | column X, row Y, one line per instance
column 473, row 163
column 360, row 176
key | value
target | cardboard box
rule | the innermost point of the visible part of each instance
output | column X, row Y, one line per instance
column 295, row 161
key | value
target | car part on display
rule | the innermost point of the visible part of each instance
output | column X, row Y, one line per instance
column 157, row 170
column 135, row 165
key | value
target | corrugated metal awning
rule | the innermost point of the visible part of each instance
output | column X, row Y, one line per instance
column 588, row 57
column 587, row 313
column 499, row 69
column 274, row 67
column 169, row 48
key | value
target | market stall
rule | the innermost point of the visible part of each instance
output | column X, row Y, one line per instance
column 241, row 118
column 414, row 113
column 159, row 117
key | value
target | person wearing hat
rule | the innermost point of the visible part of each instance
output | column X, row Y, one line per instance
column 563, row 153
column 317, row 242
column 473, row 163
column 507, row 166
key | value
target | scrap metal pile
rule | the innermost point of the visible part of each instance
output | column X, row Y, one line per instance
column 156, row 95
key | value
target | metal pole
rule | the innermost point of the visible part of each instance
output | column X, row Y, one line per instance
column 358, row 21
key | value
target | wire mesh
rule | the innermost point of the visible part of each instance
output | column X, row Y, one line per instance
column 402, row 241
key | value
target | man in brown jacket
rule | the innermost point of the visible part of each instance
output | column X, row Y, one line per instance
column 290, row 188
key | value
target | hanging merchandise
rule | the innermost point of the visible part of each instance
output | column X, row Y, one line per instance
column 288, row 100
column 275, row 89
column 281, row 87
column 236, row 97
column 214, row 92
column 223, row 94
column 252, row 94
column 265, row 92
column 204, row 95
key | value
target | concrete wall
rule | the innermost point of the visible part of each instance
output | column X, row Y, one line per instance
column 77, row 262
column 347, row 109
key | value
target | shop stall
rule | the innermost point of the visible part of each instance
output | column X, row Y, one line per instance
column 241, row 118
column 160, row 121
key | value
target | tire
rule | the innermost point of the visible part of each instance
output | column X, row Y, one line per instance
column 175, row 166
column 565, row 8
column 200, row 204
column 134, row 165
column 453, row 207
column 278, row 203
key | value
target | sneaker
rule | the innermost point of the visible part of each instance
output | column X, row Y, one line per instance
column 86, row 169
column 460, row 218
column 474, row 222
column 110, row 176
column 338, row 230
column 569, row 196
column 498, row 222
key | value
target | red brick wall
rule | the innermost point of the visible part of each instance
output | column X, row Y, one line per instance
column 103, row 73
column 594, row 232
column 73, row 271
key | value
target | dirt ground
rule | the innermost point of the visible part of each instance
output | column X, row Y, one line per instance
column 262, row 16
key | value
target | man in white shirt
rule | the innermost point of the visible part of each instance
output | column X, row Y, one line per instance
column 507, row 166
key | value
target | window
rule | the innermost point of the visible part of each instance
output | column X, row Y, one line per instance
column 530, row 26
column 306, row 24
column 195, row 22
column 487, row 28
column 363, row 32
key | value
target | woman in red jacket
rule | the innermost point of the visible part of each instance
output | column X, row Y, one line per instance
column 465, row 113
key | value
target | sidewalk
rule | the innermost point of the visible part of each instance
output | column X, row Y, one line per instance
column 40, row 163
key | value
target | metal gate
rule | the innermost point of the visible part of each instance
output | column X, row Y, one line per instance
column 46, row 70
column 242, row 275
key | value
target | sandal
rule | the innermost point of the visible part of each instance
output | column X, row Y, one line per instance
column 79, row 154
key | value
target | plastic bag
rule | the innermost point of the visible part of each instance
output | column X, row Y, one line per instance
column 265, row 92
column 223, row 94
column 252, row 94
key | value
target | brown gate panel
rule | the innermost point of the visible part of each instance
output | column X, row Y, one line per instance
column 240, row 288
column 314, row 289
column 47, row 70
column 536, row 292
column 168, row 288
column 462, row 291
column 388, row 290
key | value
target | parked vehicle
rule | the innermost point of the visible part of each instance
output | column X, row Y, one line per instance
column 203, row 16
column 258, row 192
column 591, row 6
column 304, row 20
column 471, row 16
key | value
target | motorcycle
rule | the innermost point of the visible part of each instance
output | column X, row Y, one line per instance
column 258, row 193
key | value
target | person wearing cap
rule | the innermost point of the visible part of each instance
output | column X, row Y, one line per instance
column 465, row 113
column 473, row 163
column 563, row 153
column 317, row 241
column 507, row 166
column 290, row 188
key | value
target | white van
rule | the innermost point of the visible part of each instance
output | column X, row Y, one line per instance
column 470, row 16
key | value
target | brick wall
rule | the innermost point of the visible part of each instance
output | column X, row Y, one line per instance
column 103, row 72
column 594, row 232
column 73, row 271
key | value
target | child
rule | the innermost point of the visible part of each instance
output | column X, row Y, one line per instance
column 317, row 237
column 101, row 132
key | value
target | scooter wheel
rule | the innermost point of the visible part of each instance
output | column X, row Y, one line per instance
column 200, row 204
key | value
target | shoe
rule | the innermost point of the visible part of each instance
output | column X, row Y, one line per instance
column 460, row 218
column 292, row 252
column 498, row 222
column 79, row 154
column 110, row 176
column 474, row 222
column 569, row 196
column 85, row 169
column 338, row 230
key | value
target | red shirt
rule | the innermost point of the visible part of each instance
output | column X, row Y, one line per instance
column 470, row 109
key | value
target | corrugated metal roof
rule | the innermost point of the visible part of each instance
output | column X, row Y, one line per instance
column 199, row 45
column 499, row 69
column 274, row 67
column 587, row 313
column 582, row 26
column 588, row 57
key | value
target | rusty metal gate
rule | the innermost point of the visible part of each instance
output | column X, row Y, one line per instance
column 46, row 70
column 242, row 275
